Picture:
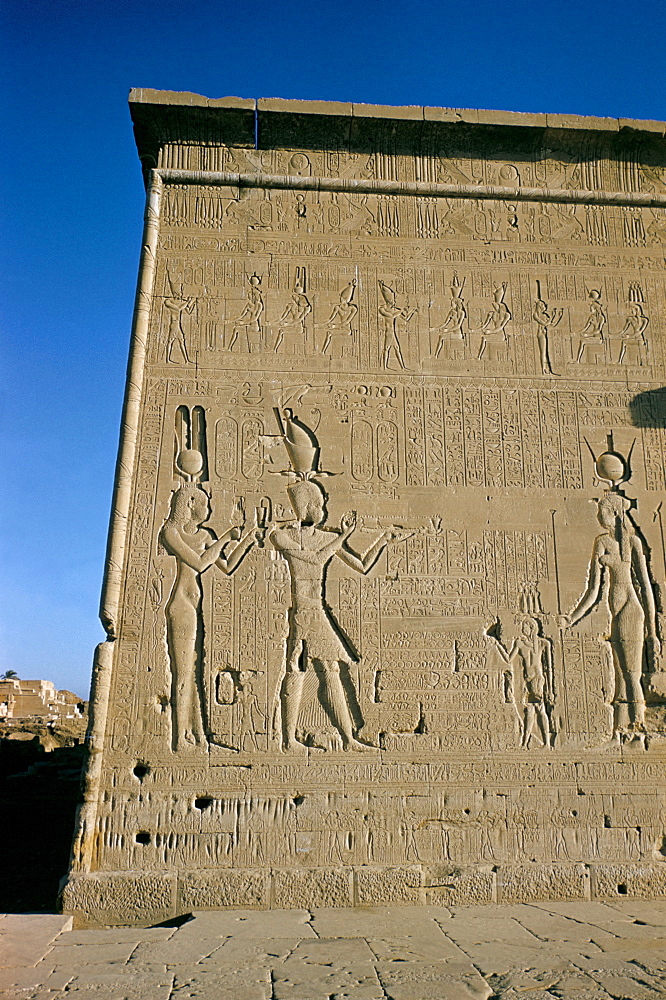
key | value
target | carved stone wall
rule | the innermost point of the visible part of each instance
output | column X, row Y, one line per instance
column 386, row 569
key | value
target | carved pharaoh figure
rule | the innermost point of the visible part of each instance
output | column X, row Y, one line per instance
column 195, row 549
column 451, row 330
column 493, row 328
column 618, row 564
column 632, row 335
column 314, row 638
column 532, row 661
column 291, row 335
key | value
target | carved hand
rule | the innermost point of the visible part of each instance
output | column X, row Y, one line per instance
column 348, row 522
column 563, row 621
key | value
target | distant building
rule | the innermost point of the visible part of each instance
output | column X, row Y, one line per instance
column 21, row 699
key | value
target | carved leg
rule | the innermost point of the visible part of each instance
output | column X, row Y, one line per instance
column 292, row 691
column 528, row 725
column 337, row 705
column 544, row 724
column 181, row 639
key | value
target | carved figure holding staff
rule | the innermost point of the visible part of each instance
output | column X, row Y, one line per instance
column 618, row 558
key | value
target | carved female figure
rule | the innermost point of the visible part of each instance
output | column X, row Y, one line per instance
column 618, row 557
column 195, row 549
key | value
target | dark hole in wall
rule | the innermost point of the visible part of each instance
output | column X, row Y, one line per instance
column 143, row 837
column 204, row 802
column 141, row 770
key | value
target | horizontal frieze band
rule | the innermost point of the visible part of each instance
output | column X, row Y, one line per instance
column 422, row 189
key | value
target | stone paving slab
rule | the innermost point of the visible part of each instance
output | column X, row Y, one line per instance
column 26, row 935
column 554, row 951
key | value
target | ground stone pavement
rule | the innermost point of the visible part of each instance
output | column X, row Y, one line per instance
column 537, row 951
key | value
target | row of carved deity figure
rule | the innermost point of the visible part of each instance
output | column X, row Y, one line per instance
column 455, row 339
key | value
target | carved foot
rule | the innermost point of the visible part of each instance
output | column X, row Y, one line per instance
column 356, row 745
column 293, row 745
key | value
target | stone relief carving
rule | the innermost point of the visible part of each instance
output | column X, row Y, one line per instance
column 618, row 572
column 632, row 335
column 178, row 306
column 493, row 329
column 315, row 640
column 292, row 335
column 529, row 682
column 390, row 312
column 591, row 337
column 546, row 321
column 449, row 358
column 451, row 331
column 340, row 326
column 247, row 331
column 195, row 549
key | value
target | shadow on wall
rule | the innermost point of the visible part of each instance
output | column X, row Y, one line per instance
column 39, row 793
column 648, row 409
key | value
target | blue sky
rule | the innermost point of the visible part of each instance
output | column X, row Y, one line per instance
column 73, row 207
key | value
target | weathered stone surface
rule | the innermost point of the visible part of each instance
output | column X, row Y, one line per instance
column 510, row 952
column 386, row 574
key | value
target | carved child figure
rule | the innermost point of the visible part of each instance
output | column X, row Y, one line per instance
column 534, row 656
column 313, row 635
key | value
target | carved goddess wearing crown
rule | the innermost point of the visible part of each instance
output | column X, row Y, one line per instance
column 618, row 557
column 196, row 550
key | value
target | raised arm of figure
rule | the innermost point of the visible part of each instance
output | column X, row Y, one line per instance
column 364, row 563
column 174, row 543
column 229, row 563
